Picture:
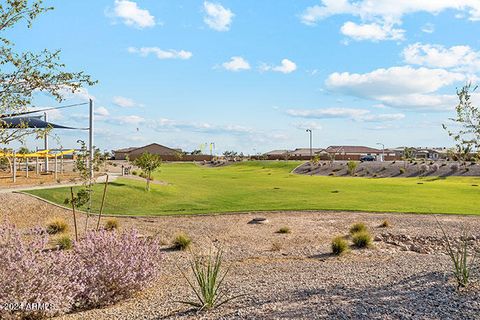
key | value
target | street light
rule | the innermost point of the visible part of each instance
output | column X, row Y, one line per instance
column 310, row 131
column 383, row 150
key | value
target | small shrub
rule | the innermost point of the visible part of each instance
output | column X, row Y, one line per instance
column 385, row 224
column 284, row 230
column 358, row 227
column 57, row 225
column 454, row 167
column 64, row 243
column 352, row 166
column 362, row 239
column 135, row 172
column 111, row 224
column 402, row 170
column 181, row 242
column 339, row 246
column 208, row 281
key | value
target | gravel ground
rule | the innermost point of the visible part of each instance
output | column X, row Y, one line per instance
column 293, row 276
column 392, row 169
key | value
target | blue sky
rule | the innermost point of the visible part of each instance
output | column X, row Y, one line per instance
column 253, row 75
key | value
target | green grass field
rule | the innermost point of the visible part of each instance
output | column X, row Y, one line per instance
column 264, row 185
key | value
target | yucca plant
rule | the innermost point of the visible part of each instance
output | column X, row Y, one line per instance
column 459, row 254
column 208, row 281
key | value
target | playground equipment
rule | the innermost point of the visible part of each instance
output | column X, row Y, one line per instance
column 23, row 120
column 44, row 154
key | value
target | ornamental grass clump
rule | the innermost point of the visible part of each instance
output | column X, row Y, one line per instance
column 339, row 245
column 111, row 224
column 362, row 239
column 64, row 243
column 284, row 230
column 208, row 281
column 57, row 225
column 358, row 227
column 181, row 242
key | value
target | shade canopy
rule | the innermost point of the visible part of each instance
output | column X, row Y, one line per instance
column 30, row 122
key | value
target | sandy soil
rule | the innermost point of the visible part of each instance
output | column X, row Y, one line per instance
column 286, row 276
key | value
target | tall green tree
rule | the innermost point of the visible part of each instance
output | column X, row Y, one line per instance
column 23, row 74
column 466, row 124
column 148, row 163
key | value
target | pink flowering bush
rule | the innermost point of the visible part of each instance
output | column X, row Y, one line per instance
column 29, row 274
column 113, row 266
column 101, row 269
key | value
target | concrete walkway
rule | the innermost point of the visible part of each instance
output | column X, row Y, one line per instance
column 101, row 179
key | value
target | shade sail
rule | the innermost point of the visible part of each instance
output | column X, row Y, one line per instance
column 30, row 122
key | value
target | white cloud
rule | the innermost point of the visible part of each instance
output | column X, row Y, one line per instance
column 384, row 13
column 286, row 66
column 132, row 15
column 79, row 94
column 125, row 102
column 392, row 81
column 161, row 54
column 362, row 115
column 371, row 31
column 463, row 57
column 327, row 113
column 217, row 17
column 236, row 64
column 102, row 112
column 428, row 28
column 387, row 10
column 129, row 120
column 399, row 87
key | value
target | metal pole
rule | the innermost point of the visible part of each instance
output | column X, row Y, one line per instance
column 311, row 151
column 56, row 167
column 90, row 139
column 26, row 167
column 36, row 166
column 14, row 167
column 46, row 142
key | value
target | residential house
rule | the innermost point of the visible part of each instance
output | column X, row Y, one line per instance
column 165, row 153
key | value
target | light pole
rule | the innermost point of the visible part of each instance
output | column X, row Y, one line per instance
column 310, row 131
column 383, row 150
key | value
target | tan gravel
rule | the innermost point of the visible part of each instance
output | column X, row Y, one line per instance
column 291, row 276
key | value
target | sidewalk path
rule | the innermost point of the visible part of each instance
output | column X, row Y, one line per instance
column 101, row 179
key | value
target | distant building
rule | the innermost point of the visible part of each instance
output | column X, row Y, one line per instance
column 356, row 152
column 423, row 153
column 165, row 153
column 279, row 153
column 304, row 152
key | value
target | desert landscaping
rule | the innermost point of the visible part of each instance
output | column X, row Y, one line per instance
column 405, row 274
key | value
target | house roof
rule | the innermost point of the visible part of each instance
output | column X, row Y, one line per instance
column 125, row 149
column 352, row 149
column 305, row 151
column 276, row 152
column 130, row 149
